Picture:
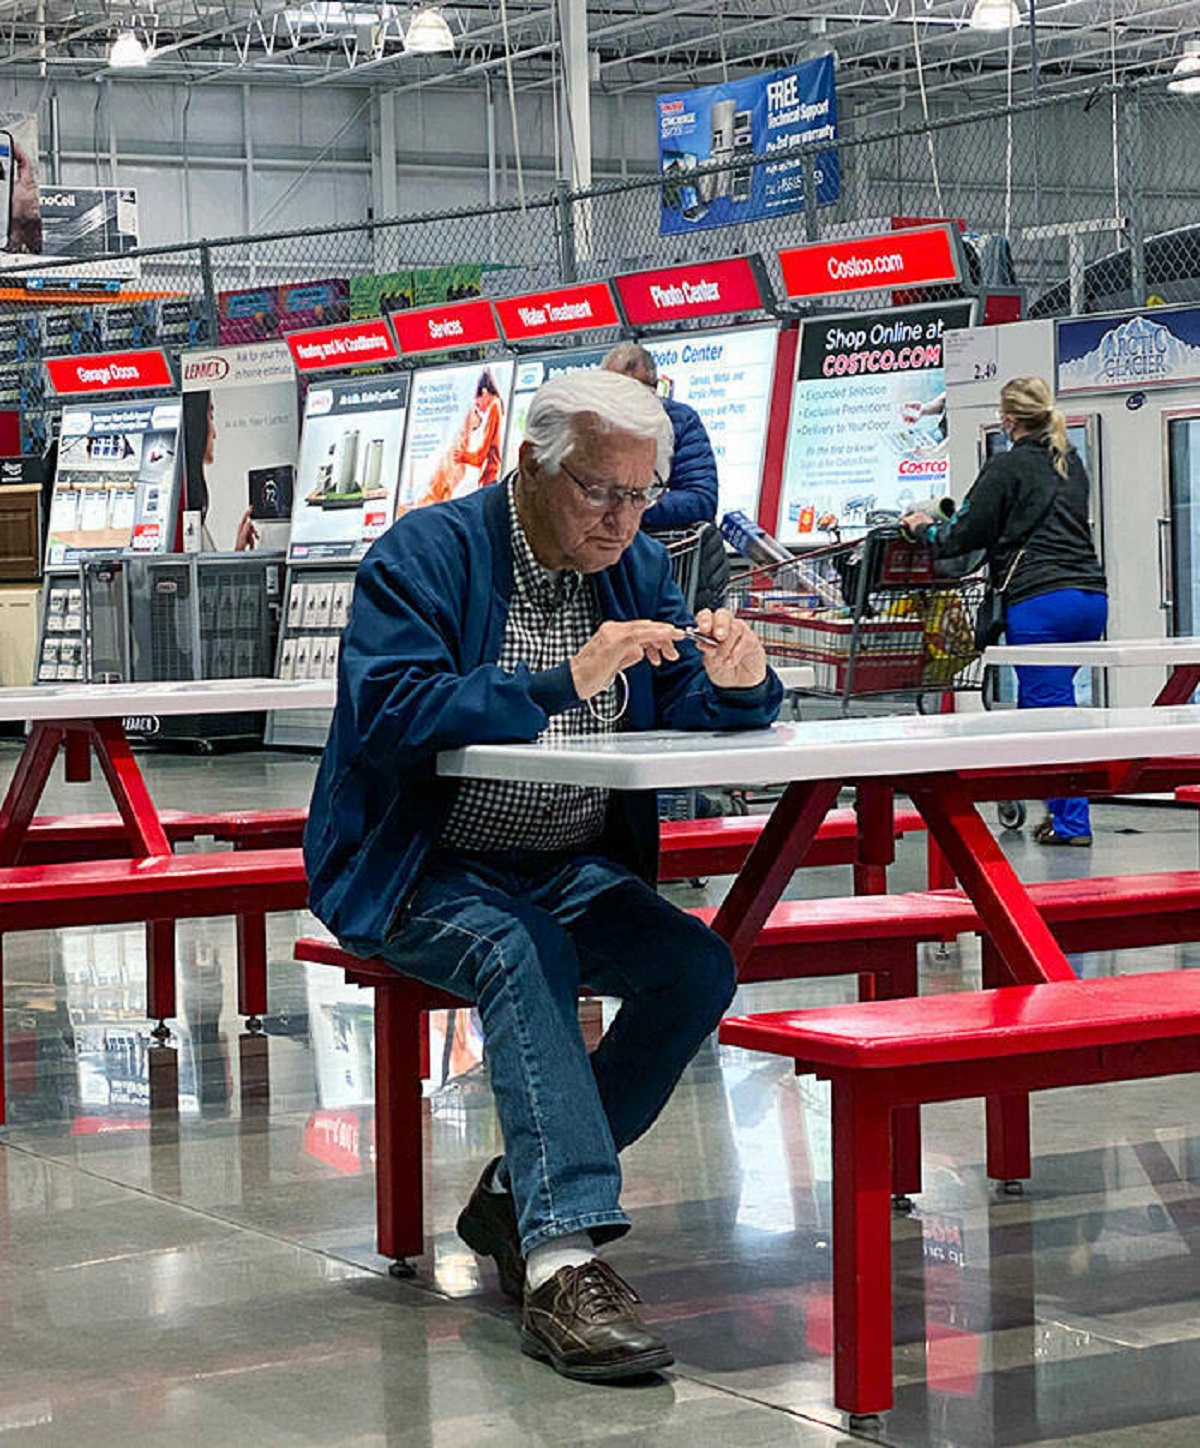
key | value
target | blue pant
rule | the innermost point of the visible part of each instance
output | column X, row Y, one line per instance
column 1066, row 616
column 518, row 935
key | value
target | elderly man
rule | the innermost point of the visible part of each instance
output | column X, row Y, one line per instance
column 536, row 608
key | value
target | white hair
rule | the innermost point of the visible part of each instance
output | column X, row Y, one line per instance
column 617, row 402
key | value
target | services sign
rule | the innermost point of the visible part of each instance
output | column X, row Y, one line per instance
column 349, row 345
column 444, row 329
column 707, row 138
column 1131, row 352
column 566, row 309
column 925, row 256
column 682, row 293
column 110, row 372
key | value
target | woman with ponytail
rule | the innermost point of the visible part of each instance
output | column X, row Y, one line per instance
column 1028, row 509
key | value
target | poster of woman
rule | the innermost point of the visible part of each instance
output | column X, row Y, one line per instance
column 457, row 421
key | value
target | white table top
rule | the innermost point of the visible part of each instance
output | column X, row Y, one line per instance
column 840, row 748
column 204, row 696
column 1104, row 654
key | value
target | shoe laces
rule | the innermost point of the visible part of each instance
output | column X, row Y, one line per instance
column 599, row 1292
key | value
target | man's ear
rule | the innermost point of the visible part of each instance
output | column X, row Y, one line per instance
column 527, row 462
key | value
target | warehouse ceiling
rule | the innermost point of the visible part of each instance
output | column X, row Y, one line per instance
column 886, row 49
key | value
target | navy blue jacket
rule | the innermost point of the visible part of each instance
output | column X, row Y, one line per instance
column 692, row 487
column 417, row 676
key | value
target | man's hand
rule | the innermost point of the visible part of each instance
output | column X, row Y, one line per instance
column 739, row 660
column 616, row 646
column 914, row 523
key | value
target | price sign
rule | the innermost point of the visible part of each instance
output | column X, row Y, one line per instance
column 972, row 355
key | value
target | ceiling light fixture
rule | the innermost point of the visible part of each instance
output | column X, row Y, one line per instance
column 128, row 52
column 1185, row 78
column 995, row 15
column 428, row 33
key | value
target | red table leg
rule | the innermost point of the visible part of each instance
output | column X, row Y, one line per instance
column 128, row 788
column 78, row 763
column 1022, row 937
column 1182, row 683
column 1009, row 1153
column 25, row 788
column 874, row 805
column 399, row 1168
column 862, row 1248
column 763, row 878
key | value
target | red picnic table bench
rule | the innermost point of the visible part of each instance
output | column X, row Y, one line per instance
column 873, row 937
column 881, row 1057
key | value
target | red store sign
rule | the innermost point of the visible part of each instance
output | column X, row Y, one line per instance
column 441, row 329
column 110, row 372
column 926, row 256
column 678, row 293
column 342, row 346
column 566, row 309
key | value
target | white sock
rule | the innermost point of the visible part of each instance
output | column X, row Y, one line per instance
column 573, row 1250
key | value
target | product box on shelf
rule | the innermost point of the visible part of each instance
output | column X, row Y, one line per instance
column 182, row 323
column 135, row 325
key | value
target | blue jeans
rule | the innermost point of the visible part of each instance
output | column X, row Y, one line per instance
column 518, row 935
column 1066, row 616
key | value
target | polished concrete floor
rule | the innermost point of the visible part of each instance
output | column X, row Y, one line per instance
column 186, row 1234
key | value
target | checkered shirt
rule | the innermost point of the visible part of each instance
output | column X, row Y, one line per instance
column 550, row 618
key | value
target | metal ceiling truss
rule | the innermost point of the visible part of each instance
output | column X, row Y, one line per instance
column 640, row 45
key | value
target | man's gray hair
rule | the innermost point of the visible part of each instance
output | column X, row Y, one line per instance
column 632, row 359
column 618, row 403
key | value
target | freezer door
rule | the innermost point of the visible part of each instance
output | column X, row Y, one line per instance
column 1179, row 553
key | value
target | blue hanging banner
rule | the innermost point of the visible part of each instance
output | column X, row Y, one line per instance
column 706, row 138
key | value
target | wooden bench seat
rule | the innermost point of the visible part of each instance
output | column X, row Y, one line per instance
column 881, row 1056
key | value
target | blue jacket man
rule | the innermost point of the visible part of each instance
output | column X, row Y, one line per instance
column 691, row 495
column 536, row 608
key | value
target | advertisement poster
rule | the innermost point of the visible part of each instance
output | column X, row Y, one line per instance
column 529, row 375
column 87, row 221
column 727, row 377
column 867, row 431
column 1125, row 354
column 116, row 482
column 260, row 314
column 730, row 123
column 377, row 294
column 455, row 432
column 349, row 462
column 241, row 421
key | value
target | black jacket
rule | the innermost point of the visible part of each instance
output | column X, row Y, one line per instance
column 1001, row 514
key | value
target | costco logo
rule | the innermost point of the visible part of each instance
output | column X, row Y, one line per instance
column 670, row 108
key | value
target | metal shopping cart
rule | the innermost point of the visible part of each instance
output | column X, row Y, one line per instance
column 872, row 617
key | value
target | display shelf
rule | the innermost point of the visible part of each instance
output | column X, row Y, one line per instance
column 316, row 609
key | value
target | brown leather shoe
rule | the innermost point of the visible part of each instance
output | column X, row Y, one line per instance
column 488, row 1225
column 584, row 1323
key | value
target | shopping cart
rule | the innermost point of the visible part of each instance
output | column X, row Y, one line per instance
column 872, row 617
column 685, row 548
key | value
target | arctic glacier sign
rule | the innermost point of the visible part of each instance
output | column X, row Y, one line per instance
column 1131, row 352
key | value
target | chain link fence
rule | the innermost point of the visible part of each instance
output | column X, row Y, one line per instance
column 1099, row 198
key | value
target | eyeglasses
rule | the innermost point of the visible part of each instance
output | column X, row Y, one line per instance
column 604, row 496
